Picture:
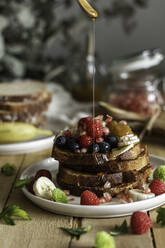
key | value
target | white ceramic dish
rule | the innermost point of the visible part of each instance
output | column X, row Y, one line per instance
column 113, row 209
column 35, row 145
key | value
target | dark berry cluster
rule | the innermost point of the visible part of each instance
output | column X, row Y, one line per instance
column 90, row 137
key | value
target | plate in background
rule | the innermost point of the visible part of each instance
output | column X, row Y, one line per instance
column 35, row 145
column 113, row 209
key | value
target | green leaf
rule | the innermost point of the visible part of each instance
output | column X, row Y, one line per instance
column 13, row 211
column 77, row 231
column 120, row 229
column 59, row 196
column 22, row 182
column 161, row 216
column 9, row 220
column 8, row 169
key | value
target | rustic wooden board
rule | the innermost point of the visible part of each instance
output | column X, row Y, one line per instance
column 43, row 228
column 124, row 241
column 7, row 182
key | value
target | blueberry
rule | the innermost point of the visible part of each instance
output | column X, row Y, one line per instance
column 94, row 148
column 61, row 141
column 104, row 147
column 73, row 147
column 71, row 141
column 112, row 140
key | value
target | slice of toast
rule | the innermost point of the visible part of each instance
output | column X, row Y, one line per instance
column 143, row 174
column 101, row 162
column 21, row 91
column 72, row 177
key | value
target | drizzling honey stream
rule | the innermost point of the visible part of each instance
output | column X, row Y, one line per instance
column 92, row 13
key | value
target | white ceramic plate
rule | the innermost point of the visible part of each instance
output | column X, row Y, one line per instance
column 35, row 145
column 113, row 209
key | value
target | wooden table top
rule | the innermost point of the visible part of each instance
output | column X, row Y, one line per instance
column 42, row 231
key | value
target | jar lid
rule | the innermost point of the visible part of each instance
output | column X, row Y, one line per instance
column 143, row 60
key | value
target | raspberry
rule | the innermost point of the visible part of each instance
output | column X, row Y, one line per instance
column 140, row 222
column 43, row 173
column 95, row 129
column 89, row 198
column 83, row 122
column 85, row 141
column 67, row 133
column 157, row 187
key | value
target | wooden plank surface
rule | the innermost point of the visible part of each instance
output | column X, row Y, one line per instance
column 43, row 229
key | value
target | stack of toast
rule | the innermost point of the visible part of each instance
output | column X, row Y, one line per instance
column 24, row 102
column 119, row 169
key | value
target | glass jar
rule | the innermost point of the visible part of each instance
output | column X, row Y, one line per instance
column 135, row 84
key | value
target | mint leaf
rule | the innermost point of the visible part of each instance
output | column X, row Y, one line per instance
column 120, row 229
column 22, row 182
column 13, row 211
column 77, row 231
column 59, row 196
column 8, row 169
column 161, row 216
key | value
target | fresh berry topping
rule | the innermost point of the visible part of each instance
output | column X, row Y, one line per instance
column 73, row 145
column 104, row 147
column 43, row 173
column 89, row 198
column 85, row 141
column 98, row 140
column 109, row 119
column 30, row 186
column 140, row 222
column 67, row 134
column 112, row 140
column 105, row 131
column 157, row 187
column 94, row 148
column 95, row 129
column 61, row 141
column 83, row 122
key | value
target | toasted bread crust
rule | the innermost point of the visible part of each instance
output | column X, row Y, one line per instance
column 96, row 163
column 99, row 190
column 92, row 162
column 73, row 177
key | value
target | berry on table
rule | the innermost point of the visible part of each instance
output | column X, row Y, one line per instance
column 104, row 147
column 85, row 141
column 93, row 148
column 112, row 140
column 61, row 141
column 89, row 198
column 157, row 187
column 140, row 222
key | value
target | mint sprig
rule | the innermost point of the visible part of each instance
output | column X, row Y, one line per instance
column 161, row 216
column 77, row 231
column 59, row 196
column 22, row 182
column 13, row 211
column 122, row 229
column 8, row 169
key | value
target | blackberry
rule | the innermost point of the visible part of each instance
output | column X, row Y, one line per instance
column 112, row 141
column 61, row 141
column 94, row 148
column 73, row 147
column 104, row 147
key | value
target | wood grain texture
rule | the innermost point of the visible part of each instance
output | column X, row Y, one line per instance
column 6, row 182
column 43, row 229
column 122, row 241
